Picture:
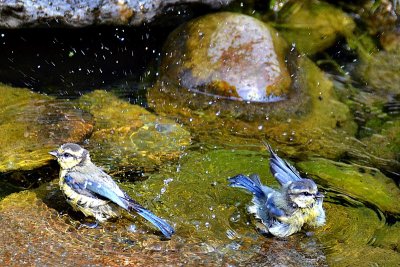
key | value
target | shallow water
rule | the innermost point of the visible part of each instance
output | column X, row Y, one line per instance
column 188, row 185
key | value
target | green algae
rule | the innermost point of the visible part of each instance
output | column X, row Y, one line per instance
column 313, row 26
column 365, row 184
column 195, row 193
column 381, row 72
column 133, row 136
column 311, row 122
column 386, row 142
column 351, row 238
column 210, row 217
column 32, row 124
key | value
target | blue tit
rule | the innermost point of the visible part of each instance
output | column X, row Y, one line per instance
column 283, row 212
column 90, row 190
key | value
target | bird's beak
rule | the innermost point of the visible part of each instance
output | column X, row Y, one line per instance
column 53, row 153
column 319, row 195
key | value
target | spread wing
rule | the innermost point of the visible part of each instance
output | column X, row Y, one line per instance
column 281, row 169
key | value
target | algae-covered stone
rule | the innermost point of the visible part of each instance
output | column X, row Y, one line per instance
column 127, row 135
column 367, row 185
column 309, row 117
column 386, row 144
column 313, row 26
column 209, row 218
column 228, row 55
column 31, row 125
column 211, row 212
column 353, row 237
column 207, row 211
column 312, row 121
column 381, row 71
column 34, row 232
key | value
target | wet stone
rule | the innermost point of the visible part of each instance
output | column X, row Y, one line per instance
column 128, row 137
column 364, row 184
column 312, row 121
column 313, row 26
column 381, row 72
column 35, row 232
column 39, row 227
column 41, row 13
column 32, row 124
column 228, row 55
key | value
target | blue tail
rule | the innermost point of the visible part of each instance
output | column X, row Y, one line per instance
column 162, row 225
column 251, row 184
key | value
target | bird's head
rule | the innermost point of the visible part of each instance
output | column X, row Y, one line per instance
column 303, row 193
column 70, row 155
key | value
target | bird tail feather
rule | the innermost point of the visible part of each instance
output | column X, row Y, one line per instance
column 252, row 184
column 162, row 225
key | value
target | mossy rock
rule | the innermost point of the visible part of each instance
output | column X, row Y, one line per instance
column 32, row 124
column 313, row 26
column 358, row 236
column 381, row 72
column 128, row 136
column 364, row 184
column 319, row 125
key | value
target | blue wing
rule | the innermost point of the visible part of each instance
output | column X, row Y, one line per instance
column 99, row 184
column 273, row 210
column 91, row 187
column 282, row 170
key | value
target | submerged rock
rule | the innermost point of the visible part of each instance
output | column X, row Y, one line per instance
column 32, row 124
column 381, row 72
column 310, row 120
column 364, row 184
column 17, row 14
column 127, row 135
column 213, row 213
column 353, row 236
column 39, row 227
column 313, row 26
column 35, row 233
column 228, row 55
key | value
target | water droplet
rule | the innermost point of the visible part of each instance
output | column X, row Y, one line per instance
column 132, row 228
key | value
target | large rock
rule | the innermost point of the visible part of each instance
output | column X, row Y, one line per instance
column 16, row 14
column 230, row 56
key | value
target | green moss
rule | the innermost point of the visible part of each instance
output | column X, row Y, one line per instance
column 196, row 194
column 32, row 124
column 353, row 237
column 132, row 135
column 313, row 26
column 367, row 185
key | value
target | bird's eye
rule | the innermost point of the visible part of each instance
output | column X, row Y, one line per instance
column 67, row 155
column 306, row 194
